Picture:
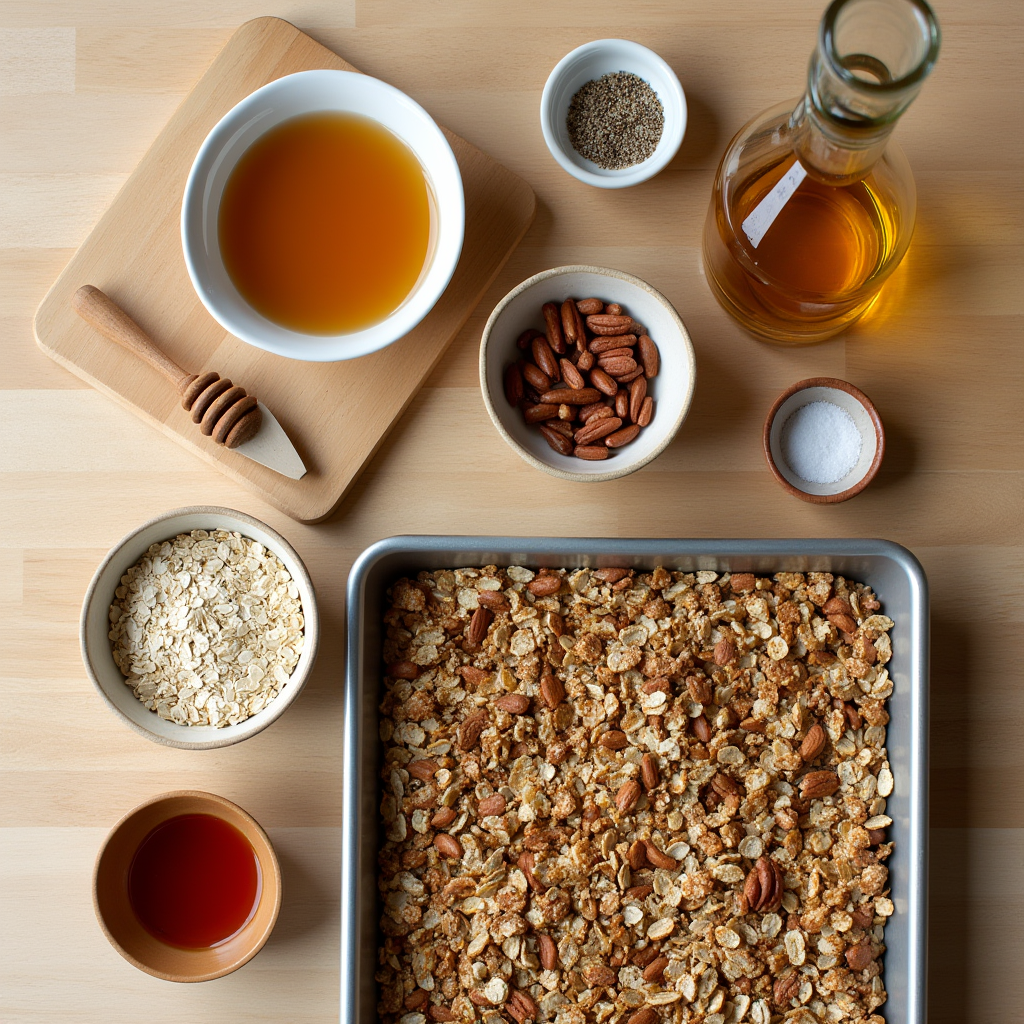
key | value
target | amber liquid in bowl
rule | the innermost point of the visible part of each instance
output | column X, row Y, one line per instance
column 324, row 224
column 194, row 881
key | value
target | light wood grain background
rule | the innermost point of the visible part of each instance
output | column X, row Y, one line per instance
column 84, row 89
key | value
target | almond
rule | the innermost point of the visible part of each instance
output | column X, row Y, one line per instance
column 628, row 378
column 423, row 769
column 556, row 440
column 813, row 743
column 860, row 956
column 403, row 670
column 571, row 375
column 646, row 412
column 417, row 998
column 441, row 1013
column 843, row 623
column 864, row 915
column 659, row 859
column 637, row 394
column 642, row 957
column 655, row 969
column 611, row 574
column 603, row 382
column 623, row 436
column 617, row 366
column 585, row 362
column 448, row 846
column 588, row 307
column 611, row 343
column 547, row 951
column 525, row 863
column 607, row 323
column 443, row 817
column 470, row 729
column 702, row 729
column 478, row 625
column 552, row 691
column 837, row 606
column 645, row 1015
column 752, row 725
column 648, row 356
column 614, row 739
column 614, row 308
column 540, row 412
column 649, row 772
column 553, row 327
column 572, row 324
column 636, row 855
column 639, row 892
column 493, row 599
column 725, row 652
column 876, row 836
column 536, row 377
column 598, row 409
column 544, row 357
column 556, row 623
column 473, row 675
column 594, row 429
column 627, row 796
column 622, row 404
column 494, row 804
column 524, row 339
column 513, row 703
column 571, row 396
column 513, row 387
column 818, row 784
column 544, row 586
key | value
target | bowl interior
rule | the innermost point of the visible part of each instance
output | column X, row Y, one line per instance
column 100, row 660
column 122, row 927
column 862, row 420
column 285, row 98
column 672, row 389
column 591, row 61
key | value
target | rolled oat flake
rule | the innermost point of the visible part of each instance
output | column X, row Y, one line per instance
column 615, row 120
column 821, row 443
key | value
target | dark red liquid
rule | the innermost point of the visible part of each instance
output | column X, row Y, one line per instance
column 194, row 881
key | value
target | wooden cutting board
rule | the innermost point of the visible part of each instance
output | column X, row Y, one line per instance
column 336, row 414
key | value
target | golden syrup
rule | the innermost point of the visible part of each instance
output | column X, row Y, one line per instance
column 814, row 264
column 324, row 224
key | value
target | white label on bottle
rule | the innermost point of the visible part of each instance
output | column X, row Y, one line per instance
column 756, row 225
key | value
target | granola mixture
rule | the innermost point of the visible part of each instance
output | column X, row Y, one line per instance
column 634, row 799
column 206, row 628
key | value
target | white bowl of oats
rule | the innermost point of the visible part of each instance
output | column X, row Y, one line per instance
column 200, row 627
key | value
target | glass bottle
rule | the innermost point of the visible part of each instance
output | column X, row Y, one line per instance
column 813, row 204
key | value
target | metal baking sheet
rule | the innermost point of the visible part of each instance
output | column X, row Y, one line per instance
column 893, row 572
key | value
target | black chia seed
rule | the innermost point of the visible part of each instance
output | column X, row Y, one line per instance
column 615, row 120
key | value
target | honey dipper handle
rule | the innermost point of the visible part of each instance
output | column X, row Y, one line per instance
column 113, row 322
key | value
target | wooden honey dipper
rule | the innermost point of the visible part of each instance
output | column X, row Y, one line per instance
column 223, row 410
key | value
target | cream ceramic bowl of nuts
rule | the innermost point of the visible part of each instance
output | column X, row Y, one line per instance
column 670, row 388
column 235, row 642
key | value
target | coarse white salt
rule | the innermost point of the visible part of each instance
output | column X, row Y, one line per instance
column 821, row 443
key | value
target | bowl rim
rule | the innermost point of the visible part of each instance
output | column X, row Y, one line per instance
column 272, row 869
column 296, row 344
column 641, row 172
column 627, row 467
column 280, row 704
column 876, row 421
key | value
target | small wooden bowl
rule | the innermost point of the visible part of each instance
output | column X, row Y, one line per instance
column 122, row 927
column 864, row 415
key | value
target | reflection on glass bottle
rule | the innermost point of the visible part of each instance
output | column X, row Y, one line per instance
column 813, row 205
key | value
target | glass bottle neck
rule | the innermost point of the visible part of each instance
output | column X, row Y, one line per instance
column 870, row 62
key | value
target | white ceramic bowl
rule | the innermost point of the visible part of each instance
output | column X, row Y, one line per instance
column 590, row 61
column 304, row 93
column 672, row 389
column 94, row 625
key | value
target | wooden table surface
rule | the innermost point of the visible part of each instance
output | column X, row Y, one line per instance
column 84, row 89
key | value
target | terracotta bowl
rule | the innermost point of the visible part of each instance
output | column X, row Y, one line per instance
column 122, row 927
column 865, row 417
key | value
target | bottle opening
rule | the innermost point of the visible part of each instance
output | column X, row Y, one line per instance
column 880, row 44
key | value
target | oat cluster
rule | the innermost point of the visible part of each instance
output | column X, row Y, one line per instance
column 623, row 798
column 206, row 628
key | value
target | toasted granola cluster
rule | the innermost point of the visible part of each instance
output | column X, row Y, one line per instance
column 633, row 798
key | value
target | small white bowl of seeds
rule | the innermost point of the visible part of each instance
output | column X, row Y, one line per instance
column 200, row 627
column 613, row 113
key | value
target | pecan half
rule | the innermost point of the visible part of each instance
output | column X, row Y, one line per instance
column 448, row 846
column 818, row 784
